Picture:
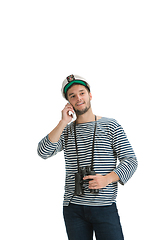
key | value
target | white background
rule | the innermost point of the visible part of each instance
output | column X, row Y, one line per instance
column 115, row 45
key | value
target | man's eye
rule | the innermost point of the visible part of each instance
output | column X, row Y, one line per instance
column 73, row 96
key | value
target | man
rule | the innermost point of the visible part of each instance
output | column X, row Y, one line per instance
column 91, row 147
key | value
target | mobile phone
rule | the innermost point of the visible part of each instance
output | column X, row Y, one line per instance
column 72, row 114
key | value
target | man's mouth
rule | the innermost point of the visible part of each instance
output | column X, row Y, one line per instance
column 79, row 104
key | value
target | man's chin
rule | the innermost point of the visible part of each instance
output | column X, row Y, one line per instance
column 81, row 112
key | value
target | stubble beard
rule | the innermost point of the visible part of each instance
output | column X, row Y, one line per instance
column 81, row 112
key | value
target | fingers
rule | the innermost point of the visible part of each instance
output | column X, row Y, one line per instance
column 96, row 181
column 93, row 182
column 69, row 107
column 67, row 113
column 90, row 177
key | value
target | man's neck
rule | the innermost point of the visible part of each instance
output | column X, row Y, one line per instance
column 86, row 117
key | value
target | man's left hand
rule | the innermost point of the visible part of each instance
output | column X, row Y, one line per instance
column 98, row 181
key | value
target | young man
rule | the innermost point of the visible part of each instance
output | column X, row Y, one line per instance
column 92, row 145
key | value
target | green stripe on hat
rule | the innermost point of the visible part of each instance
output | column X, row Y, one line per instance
column 71, row 83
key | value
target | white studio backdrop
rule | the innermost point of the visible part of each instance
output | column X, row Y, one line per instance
column 115, row 46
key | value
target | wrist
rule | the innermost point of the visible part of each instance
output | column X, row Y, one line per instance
column 108, row 178
column 112, row 177
column 63, row 123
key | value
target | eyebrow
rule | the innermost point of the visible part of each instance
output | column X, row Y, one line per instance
column 74, row 93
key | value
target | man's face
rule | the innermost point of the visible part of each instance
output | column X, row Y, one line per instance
column 79, row 98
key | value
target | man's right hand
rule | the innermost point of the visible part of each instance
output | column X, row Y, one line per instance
column 55, row 134
column 66, row 117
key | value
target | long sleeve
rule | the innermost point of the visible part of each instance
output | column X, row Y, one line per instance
column 123, row 149
column 48, row 149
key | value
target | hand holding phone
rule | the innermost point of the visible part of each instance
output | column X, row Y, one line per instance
column 67, row 113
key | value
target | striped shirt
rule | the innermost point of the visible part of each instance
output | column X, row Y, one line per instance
column 111, row 144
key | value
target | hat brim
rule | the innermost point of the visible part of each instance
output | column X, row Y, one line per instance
column 71, row 83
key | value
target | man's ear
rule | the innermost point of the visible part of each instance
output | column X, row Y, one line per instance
column 90, row 94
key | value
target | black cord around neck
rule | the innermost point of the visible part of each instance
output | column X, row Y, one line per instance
column 92, row 162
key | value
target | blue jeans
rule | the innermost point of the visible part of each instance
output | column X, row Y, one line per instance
column 81, row 221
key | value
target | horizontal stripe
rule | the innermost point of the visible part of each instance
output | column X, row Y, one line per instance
column 111, row 143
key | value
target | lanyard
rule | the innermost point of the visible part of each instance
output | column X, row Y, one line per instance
column 92, row 144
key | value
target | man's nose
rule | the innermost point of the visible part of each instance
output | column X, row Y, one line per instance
column 78, row 98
